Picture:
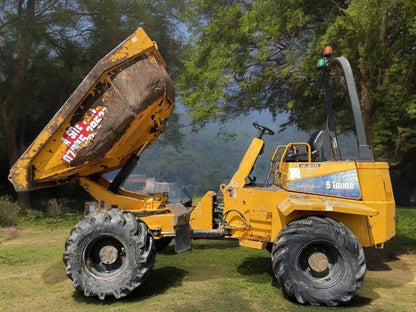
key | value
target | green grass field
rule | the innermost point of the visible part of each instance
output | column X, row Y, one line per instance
column 213, row 276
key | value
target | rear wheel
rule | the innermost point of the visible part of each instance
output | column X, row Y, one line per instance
column 109, row 253
column 318, row 261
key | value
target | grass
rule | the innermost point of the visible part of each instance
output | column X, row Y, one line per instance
column 213, row 276
column 405, row 238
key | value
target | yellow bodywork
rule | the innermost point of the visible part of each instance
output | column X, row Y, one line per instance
column 256, row 214
column 121, row 107
column 152, row 209
column 104, row 121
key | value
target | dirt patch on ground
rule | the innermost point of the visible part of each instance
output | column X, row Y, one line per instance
column 9, row 233
column 19, row 236
column 386, row 265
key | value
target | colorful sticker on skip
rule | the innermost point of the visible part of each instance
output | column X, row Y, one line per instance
column 82, row 132
column 343, row 184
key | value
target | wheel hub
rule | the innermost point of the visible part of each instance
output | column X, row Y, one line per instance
column 108, row 254
column 318, row 262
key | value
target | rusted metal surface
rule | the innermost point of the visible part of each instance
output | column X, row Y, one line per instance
column 120, row 107
column 125, row 95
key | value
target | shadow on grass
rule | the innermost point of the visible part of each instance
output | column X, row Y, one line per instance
column 379, row 259
column 255, row 266
column 158, row 282
column 54, row 274
column 203, row 244
column 360, row 301
column 356, row 302
column 259, row 270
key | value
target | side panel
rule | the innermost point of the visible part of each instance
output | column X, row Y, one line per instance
column 256, row 215
column 377, row 193
column 263, row 220
column 252, row 216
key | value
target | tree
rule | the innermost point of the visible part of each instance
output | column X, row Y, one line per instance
column 261, row 55
column 248, row 55
column 47, row 47
column 114, row 21
column 385, row 67
column 27, row 62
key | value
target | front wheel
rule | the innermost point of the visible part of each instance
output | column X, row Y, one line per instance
column 109, row 253
column 318, row 261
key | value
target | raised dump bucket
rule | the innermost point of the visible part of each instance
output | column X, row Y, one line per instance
column 118, row 110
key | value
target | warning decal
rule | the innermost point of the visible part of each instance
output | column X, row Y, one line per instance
column 80, row 134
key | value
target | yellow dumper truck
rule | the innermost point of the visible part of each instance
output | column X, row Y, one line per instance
column 314, row 212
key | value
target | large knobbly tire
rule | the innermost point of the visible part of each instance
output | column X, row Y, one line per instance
column 318, row 261
column 109, row 253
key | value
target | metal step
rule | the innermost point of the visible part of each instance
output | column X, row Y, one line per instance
column 254, row 241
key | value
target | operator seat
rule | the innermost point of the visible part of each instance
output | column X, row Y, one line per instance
column 316, row 142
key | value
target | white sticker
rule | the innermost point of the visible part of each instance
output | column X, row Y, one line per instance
column 82, row 133
column 294, row 173
column 134, row 39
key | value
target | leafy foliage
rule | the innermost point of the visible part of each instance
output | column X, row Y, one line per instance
column 8, row 211
column 379, row 40
column 242, row 56
column 248, row 55
column 48, row 46
column 261, row 55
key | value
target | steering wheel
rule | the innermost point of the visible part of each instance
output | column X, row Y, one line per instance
column 262, row 130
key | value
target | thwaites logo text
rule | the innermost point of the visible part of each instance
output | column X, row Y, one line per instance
column 80, row 134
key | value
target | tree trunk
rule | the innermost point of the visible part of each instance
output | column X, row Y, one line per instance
column 366, row 107
column 16, row 146
column 9, row 130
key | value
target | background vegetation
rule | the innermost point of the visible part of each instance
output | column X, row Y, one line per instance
column 261, row 55
column 228, row 60
column 232, row 62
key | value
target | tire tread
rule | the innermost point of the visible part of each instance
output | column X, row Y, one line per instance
column 298, row 232
column 134, row 232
